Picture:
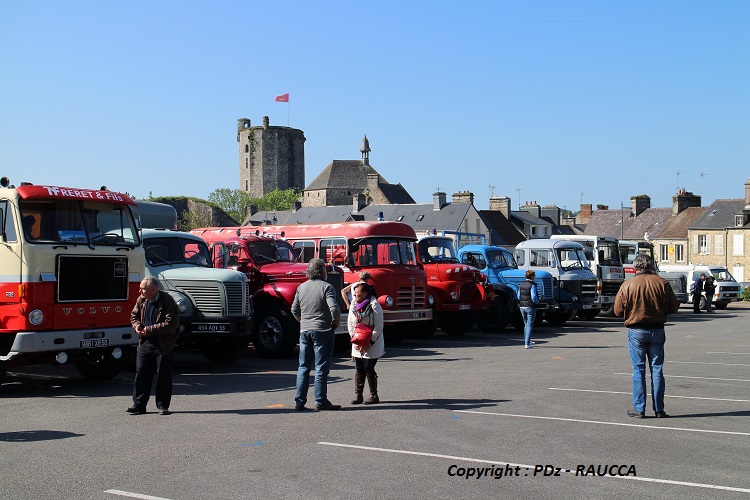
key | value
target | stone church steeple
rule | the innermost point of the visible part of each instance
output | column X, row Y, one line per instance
column 365, row 149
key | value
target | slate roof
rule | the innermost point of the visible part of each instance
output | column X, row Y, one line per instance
column 522, row 216
column 677, row 226
column 502, row 232
column 609, row 222
column 421, row 217
column 352, row 174
column 719, row 214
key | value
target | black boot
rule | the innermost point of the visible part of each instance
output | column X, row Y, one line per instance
column 359, row 387
column 372, row 382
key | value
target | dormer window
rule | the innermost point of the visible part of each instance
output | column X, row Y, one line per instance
column 738, row 222
column 419, row 219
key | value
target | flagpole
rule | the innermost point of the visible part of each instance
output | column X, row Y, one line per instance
column 287, row 113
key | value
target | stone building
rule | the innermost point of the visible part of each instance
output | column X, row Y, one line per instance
column 270, row 158
column 342, row 180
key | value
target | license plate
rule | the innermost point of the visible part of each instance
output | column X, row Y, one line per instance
column 588, row 306
column 342, row 328
column 89, row 344
column 211, row 328
column 464, row 307
column 605, row 300
column 417, row 315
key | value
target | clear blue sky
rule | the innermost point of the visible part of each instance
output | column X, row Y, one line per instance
column 554, row 98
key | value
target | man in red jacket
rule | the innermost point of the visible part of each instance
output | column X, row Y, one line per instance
column 645, row 301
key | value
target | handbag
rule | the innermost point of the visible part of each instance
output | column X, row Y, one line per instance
column 362, row 335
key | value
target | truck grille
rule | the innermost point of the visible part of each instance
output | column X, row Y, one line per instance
column 237, row 299
column 588, row 289
column 88, row 278
column 611, row 287
column 410, row 298
column 546, row 292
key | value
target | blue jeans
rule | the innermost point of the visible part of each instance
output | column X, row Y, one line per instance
column 528, row 314
column 643, row 343
column 709, row 302
column 315, row 349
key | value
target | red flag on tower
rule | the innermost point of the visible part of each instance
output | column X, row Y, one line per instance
column 282, row 98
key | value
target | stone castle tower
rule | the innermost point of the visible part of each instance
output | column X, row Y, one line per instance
column 270, row 158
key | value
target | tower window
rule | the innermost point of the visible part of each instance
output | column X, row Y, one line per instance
column 247, row 148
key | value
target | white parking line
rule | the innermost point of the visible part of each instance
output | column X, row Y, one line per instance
column 666, row 395
column 134, row 495
column 494, row 462
column 707, row 363
column 721, row 352
column 708, row 431
column 698, row 378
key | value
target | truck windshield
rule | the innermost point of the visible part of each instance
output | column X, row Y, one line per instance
column 383, row 252
column 571, row 258
column 609, row 254
column 437, row 250
column 77, row 222
column 499, row 259
column 722, row 275
column 271, row 251
column 627, row 253
column 168, row 251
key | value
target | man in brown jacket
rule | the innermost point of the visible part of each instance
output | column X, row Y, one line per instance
column 645, row 301
column 156, row 320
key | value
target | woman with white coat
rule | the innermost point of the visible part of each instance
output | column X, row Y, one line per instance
column 365, row 310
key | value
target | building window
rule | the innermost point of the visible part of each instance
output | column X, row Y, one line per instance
column 679, row 253
column 702, row 243
column 247, row 148
column 663, row 253
column 545, row 230
column 246, row 163
column 738, row 244
column 400, row 218
column 419, row 218
column 533, row 230
column 738, row 221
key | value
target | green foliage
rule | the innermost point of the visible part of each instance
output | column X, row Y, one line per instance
column 192, row 219
column 746, row 294
column 235, row 202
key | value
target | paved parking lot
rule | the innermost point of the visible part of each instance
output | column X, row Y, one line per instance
column 475, row 416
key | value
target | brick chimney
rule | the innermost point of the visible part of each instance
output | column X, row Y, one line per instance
column 463, row 197
column 584, row 216
column 532, row 208
column 501, row 204
column 639, row 203
column 438, row 200
column 685, row 199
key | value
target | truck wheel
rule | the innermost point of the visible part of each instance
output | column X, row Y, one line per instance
column 587, row 314
column 227, row 350
column 558, row 318
column 275, row 333
column 456, row 323
column 720, row 305
column 98, row 365
column 3, row 370
column 423, row 329
column 607, row 311
column 702, row 303
column 494, row 318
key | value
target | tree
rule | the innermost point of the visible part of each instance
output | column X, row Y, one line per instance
column 236, row 202
column 192, row 219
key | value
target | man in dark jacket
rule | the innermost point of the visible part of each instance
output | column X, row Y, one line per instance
column 156, row 320
column 645, row 301
column 698, row 292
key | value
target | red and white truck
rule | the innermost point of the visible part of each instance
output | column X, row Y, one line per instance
column 71, row 262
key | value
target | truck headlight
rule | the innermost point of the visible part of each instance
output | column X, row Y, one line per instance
column 430, row 299
column 36, row 317
column 389, row 301
column 182, row 305
column 454, row 295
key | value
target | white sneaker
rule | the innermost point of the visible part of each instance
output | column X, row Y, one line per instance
column 530, row 346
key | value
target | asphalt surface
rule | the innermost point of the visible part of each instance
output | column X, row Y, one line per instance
column 450, row 407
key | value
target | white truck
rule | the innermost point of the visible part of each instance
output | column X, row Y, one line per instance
column 603, row 254
column 727, row 288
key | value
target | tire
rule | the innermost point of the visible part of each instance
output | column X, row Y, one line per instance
column 702, row 303
column 607, row 311
column 587, row 314
column 98, row 365
column 456, row 324
column 720, row 305
column 423, row 330
column 3, row 370
column 558, row 318
column 226, row 350
column 494, row 318
column 275, row 332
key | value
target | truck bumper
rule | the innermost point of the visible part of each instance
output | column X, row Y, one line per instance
column 28, row 342
column 409, row 315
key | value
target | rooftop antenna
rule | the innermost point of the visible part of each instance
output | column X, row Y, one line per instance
column 519, row 197
column 492, row 190
column 703, row 174
column 678, row 180
column 582, row 198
